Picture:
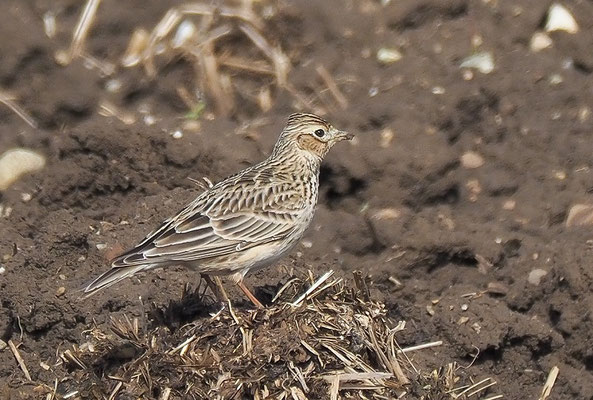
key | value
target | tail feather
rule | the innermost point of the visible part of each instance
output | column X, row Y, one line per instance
column 111, row 277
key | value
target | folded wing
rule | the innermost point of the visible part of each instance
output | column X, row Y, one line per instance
column 218, row 227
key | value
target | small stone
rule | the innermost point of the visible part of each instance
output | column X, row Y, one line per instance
column 540, row 41
column 62, row 57
column 307, row 244
column 477, row 327
column 471, row 160
column 62, row 277
column 2, row 269
column 149, row 120
column 388, row 56
column 555, row 79
column 462, row 320
column 474, row 187
column 536, row 275
column 477, row 41
column 464, row 307
column 61, row 290
column 446, row 221
column 2, row 345
column 560, row 175
column 560, row 19
column 580, row 215
column 49, row 24
column 5, row 211
column 17, row 162
column 497, row 288
column 113, row 85
column 430, row 310
column 584, row 113
column 567, row 63
column 483, row 62
column 387, row 136
column 26, row 197
column 177, row 134
column 386, row 213
column 509, row 205
column 101, row 246
column 438, row 90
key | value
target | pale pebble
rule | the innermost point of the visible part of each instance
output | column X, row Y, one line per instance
column 560, row 19
column 580, row 215
column 536, row 275
column 472, row 160
column 388, row 56
column 540, row 41
column 483, row 62
column 16, row 162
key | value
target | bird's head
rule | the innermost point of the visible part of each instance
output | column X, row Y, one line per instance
column 309, row 134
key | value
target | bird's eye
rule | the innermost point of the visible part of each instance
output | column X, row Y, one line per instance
column 319, row 133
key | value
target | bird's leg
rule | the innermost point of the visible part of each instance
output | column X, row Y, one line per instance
column 249, row 295
column 221, row 288
column 216, row 288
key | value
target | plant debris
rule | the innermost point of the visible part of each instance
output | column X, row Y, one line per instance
column 319, row 339
column 9, row 101
column 196, row 31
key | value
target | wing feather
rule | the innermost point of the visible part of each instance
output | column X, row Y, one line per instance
column 218, row 225
column 172, row 237
column 193, row 222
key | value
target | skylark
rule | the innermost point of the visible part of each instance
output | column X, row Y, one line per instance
column 245, row 222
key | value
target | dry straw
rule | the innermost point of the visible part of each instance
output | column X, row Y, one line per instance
column 198, row 32
column 321, row 338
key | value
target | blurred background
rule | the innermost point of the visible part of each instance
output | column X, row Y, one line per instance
column 466, row 195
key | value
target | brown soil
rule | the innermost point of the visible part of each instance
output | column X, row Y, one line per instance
column 445, row 234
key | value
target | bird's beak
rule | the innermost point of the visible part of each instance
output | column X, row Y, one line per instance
column 341, row 135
